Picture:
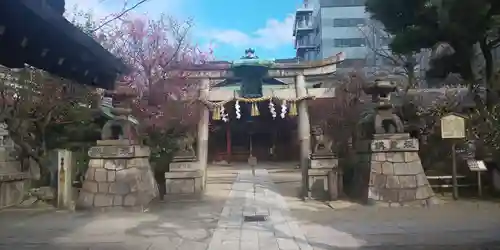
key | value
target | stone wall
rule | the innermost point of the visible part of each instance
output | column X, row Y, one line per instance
column 396, row 176
column 119, row 175
column 13, row 181
column 12, row 189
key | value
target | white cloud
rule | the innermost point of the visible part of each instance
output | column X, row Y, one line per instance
column 273, row 35
column 103, row 9
column 96, row 7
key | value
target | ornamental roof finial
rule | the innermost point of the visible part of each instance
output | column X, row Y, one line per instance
column 249, row 54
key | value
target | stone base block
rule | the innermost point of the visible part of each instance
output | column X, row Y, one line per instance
column 118, row 182
column 188, row 182
column 252, row 161
column 118, row 150
column 398, row 179
column 184, row 166
column 318, row 183
column 324, row 163
column 184, row 158
column 324, row 183
column 326, row 155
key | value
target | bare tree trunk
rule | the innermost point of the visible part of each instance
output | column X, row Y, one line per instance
column 491, row 95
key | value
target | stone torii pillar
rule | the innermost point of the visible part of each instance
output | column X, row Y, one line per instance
column 304, row 129
column 202, row 139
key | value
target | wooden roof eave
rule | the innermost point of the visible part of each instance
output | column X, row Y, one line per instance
column 102, row 62
column 75, row 34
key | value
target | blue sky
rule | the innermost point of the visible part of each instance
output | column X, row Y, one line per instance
column 230, row 26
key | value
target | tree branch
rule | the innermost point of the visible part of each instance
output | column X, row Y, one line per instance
column 181, row 36
column 382, row 53
column 119, row 15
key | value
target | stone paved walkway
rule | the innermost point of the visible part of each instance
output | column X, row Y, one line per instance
column 180, row 223
column 255, row 195
column 215, row 221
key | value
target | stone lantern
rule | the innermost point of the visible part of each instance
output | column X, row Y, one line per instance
column 119, row 173
column 385, row 120
column 396, row 175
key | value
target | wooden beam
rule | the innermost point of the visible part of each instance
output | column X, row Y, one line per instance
column 228, row 95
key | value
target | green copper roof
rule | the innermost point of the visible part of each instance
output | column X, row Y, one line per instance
column 250, row 59
column 253, row 62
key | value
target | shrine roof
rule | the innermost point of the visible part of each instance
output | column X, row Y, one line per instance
column 276, row 64
column 235, row 82
column 32, row 32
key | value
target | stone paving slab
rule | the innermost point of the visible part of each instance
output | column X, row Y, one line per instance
column 463, row 224
column 185, row 224
column 196, row 224
column 255, row 195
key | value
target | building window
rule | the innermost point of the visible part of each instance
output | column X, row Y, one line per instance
column 306, row 40
column 304, row 21
column 349, row 42
column 348, row 22
column 341, row 3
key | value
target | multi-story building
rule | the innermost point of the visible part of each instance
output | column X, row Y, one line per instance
column 326, row 27
column 304, row 31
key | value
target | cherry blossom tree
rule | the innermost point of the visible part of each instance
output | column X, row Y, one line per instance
column 167, row 104
column 338, row 117
column 153, row 48
column 39, row 109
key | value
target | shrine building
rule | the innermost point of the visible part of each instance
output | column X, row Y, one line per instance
column 258, row 108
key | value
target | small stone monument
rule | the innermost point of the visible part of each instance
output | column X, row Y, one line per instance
column 119, row 173
column 324, row 173
column 185, row 175
column 396, row 175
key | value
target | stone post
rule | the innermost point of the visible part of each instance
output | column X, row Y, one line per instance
column 65, row 182
column 202, row 142
column 304, row 132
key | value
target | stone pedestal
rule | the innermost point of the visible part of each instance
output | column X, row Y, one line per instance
column 119, row 175
column 397, row 177
column 185, row 176
column 323, row 177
